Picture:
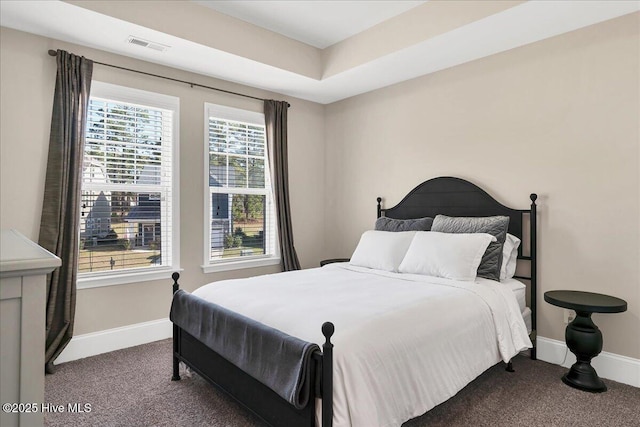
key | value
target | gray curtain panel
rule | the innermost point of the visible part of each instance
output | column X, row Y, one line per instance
column 275, row 113
column 59, row 222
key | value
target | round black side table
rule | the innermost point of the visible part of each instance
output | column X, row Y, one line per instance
column 583, row 337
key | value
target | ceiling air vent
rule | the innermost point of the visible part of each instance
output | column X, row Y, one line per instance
column 146, row 43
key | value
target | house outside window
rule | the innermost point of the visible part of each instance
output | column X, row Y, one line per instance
column 240, row 226
column 129, row 204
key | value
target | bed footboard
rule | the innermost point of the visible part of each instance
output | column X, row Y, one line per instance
column 176, row 332
column 251, row 393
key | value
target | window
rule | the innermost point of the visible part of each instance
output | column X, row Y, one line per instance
column 128, row 222
column 239, row 213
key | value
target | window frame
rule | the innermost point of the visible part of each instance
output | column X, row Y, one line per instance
column 125, row 94
column 237, row 263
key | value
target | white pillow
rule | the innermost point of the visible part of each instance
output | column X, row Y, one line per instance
column 449, row 255
column 509, row 257
column 382, row 250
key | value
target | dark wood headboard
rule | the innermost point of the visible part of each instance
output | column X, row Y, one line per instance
column 457, row 197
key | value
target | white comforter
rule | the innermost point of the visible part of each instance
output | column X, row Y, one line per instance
column 403, row 343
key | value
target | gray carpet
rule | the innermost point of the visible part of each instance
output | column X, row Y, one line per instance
column 132, row 387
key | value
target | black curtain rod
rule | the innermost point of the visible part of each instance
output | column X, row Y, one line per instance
column 54, row 53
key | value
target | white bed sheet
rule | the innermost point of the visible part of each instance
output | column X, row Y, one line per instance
column 519, row 290
column 526, row 315
column 403, row 343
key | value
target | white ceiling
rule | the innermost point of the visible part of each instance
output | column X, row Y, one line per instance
column 316, row 23
column 522, row 24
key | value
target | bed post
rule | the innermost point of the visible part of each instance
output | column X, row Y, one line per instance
column 534, row 278
column 176, row 335
column 379, row 199
column 327, row 375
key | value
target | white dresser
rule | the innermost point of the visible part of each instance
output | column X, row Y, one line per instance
column 23, row 270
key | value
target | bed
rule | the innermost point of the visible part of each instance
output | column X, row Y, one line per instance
column 400, row 347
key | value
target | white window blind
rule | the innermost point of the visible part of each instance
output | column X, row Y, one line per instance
column 128, row 179
column 240, row 214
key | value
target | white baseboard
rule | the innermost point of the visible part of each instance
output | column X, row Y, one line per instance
column 94, row 343
column 612, row 366
column 609, row 365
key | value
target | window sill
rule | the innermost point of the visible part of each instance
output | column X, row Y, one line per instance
column 111, row 279
column 240, row 264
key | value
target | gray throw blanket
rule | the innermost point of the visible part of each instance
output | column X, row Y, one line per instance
column 277, row 360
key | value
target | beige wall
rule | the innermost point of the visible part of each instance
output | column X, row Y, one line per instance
column 27, row 83
column 559, row 117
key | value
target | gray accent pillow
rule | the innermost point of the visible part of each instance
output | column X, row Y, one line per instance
column 495, row 225
column 391, row 224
